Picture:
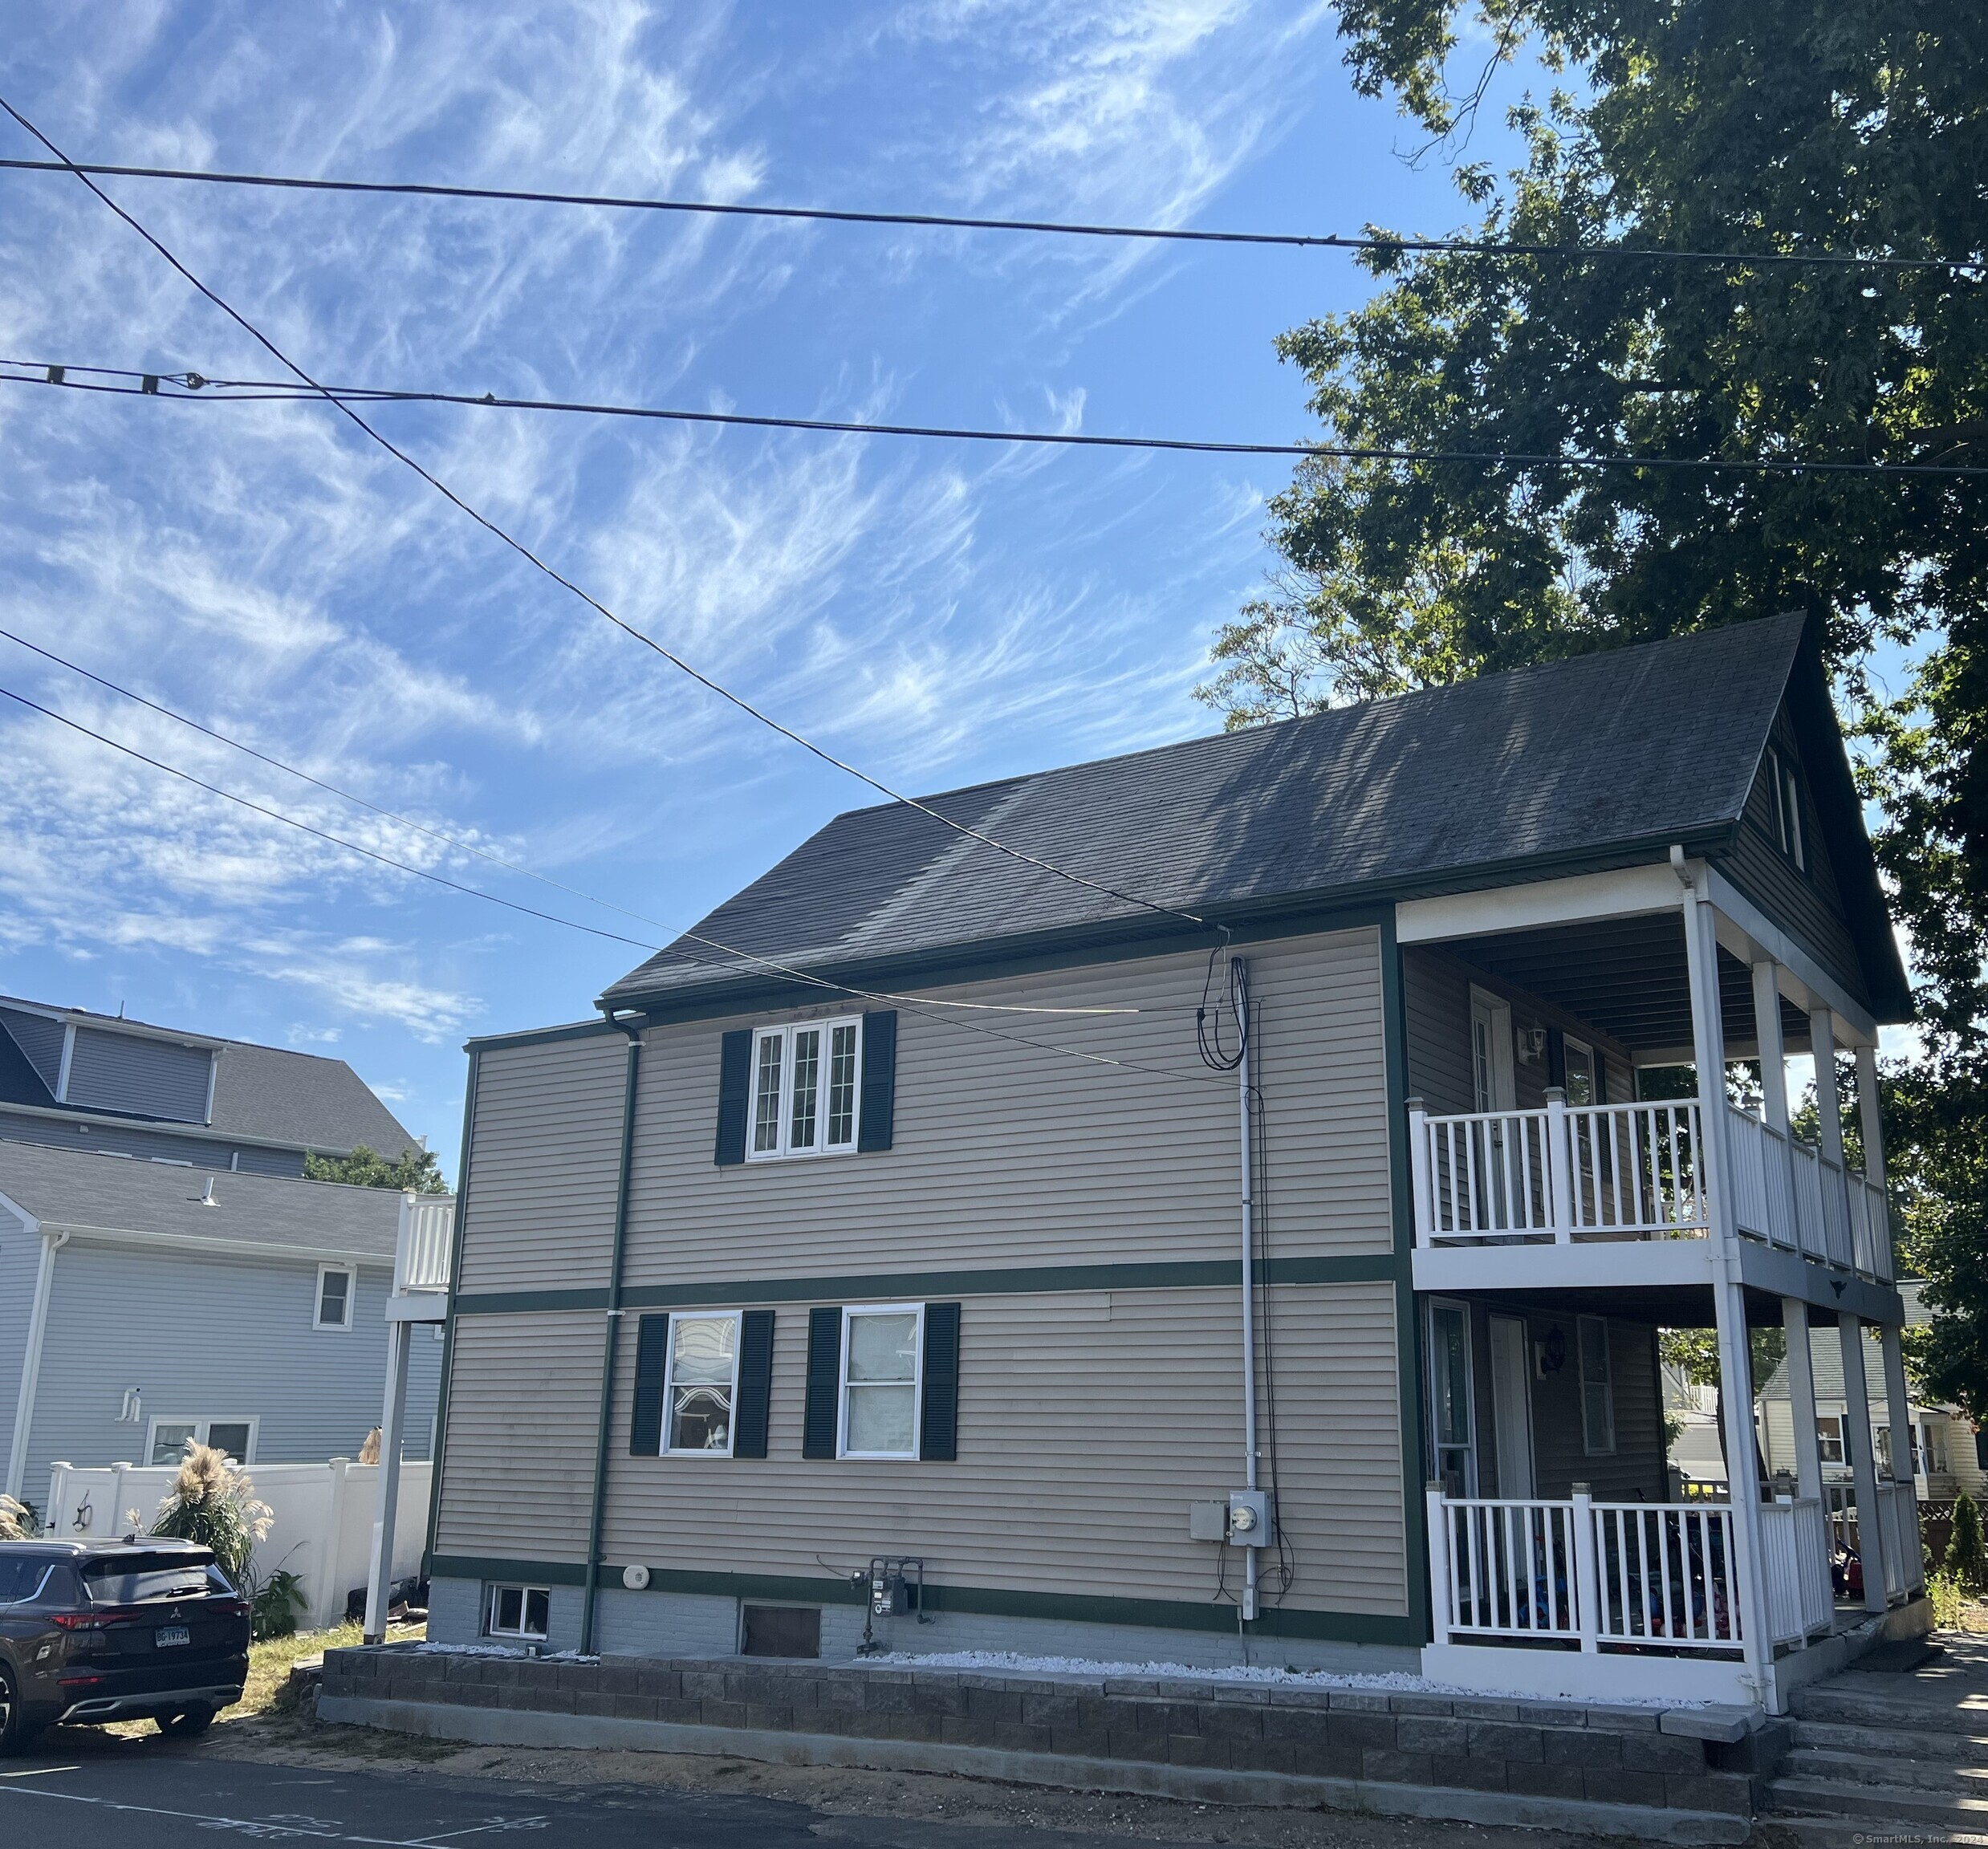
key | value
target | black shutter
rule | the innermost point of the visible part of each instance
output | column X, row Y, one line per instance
column 1601, row 1077
column 734, row 1093
column 880, row 1079
column 652, row 1352
column 1556, row 1058
column 824, row 1382
column 938, row 1425
column 755, row 1383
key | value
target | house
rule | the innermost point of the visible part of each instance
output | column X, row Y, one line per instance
column 165, row 1273
column 1944, row 1459
column 889, row 1266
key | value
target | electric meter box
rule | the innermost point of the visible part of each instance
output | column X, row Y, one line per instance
column 1208, row 1521
column 1252, row 1517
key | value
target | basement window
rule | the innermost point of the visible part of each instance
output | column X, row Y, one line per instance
column 804, row 1089
column 519, row 1611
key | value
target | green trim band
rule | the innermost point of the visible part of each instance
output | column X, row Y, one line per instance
column 986, row 1601
column 1017, row 1280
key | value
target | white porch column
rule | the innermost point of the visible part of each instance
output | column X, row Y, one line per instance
column 392, row 1419
column 1856, row 1441
column 1867, row 1124
column 1898, row 1403
column 1736, row 1371
column 1808, row 1449
column 1821, row 1039
column 1773, row 1058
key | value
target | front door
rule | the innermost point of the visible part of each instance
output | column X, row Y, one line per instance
column 1512, row 1408
column 1494, row 1188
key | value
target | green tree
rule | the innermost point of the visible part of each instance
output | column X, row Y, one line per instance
column 412, row 1168
column 1856, row 127
column 1963, row 1558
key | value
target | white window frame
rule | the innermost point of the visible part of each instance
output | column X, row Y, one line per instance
column 783, row 1150
column 495, row 1591
column 1571, row 1044
column 1788, row 810
column 1607, row 1384
column 351, row 1293
column 669, row 1384
column 1468, row 1445
column 849, row 1314
column 1829, row 1431
column 202, row 1427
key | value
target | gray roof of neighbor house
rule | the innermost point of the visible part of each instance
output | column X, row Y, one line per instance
column 119, row 1194
column 1826, row 1359
column 1600, row 760
column 262, row 1094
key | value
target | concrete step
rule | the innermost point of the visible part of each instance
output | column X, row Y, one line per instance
column 1861, row 1708
column 1840, row 1833
column 1930, row 1774
column 1899, row 1742
column 1891, row 1804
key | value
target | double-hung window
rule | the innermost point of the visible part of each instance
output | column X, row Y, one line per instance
column 881, row 1382
column 334, row 1297
column 805, row 1094
column 700, row 1385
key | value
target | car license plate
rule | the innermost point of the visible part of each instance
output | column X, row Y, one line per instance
column 170, row 1635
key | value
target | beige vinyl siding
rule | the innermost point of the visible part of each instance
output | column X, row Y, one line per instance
column 545, row 1164
column 524, row 1412
column 1437, row 1004
column 1087, row 1421
column 1807, row 902
column 1014, row 1154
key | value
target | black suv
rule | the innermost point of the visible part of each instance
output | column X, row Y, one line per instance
column 94, row 1631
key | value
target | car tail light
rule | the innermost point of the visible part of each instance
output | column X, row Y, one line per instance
column 78, row 1681
column 83, row 1620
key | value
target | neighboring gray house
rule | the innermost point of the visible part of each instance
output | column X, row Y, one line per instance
column 895, row 1216
column 84, row 1081
column 165, row 1271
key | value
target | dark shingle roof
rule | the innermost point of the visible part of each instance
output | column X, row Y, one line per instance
column 262, row 1094
column 86, row 1192
column 1615, row 752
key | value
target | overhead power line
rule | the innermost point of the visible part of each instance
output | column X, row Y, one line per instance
column 1373, row 241
column 672, row 932
column 919, row 1004
column 525, row 552
column 182, row 387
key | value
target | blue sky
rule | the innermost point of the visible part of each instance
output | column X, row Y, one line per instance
column 940, row 614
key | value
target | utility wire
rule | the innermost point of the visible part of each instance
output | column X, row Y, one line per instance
column 186, row 387
column 939, row 220
column 593, row 602
column 919, row 1005
column 498, row 859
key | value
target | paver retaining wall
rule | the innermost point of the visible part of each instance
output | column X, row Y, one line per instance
column 1643, row 1773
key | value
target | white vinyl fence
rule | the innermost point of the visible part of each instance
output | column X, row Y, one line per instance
column 323, row 1519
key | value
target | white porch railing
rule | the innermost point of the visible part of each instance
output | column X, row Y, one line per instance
column 1898, row 1534
column 1590, row 1171
column 1615, row 1171
column 1794, row 1541
column 421, row 1251
column 1600, row 1574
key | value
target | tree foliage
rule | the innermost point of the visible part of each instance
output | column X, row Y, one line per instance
column 1856, row 128
column 415, row 1169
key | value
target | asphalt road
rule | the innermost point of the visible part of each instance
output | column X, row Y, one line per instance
column 167, row 1797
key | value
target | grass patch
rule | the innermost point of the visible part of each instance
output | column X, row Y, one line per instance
column 269, row 1662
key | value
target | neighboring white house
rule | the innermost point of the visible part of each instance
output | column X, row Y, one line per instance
column 165, row 1273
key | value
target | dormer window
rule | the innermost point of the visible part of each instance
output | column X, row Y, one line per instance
column 1787, row 809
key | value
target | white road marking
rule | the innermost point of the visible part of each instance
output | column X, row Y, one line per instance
column 270, row 1830
column 40, row 1772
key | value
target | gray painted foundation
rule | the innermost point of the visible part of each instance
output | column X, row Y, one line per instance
column 688, row 1624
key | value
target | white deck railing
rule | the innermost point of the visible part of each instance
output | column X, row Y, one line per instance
column 1601, row 1574
column 421, row 1252
column 1587, row 1172
column 1794, row 1535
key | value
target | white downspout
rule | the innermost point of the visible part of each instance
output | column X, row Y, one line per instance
column 52, row 1242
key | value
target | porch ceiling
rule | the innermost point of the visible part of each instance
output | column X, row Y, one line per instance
column 1664, row 1306
column 1628, row 977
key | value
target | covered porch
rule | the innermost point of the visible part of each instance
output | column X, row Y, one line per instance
column 1590, row 1160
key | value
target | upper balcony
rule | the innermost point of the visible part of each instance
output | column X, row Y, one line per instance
column 422, row 1253
column 1569, row 1047
column 1614, row 1172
